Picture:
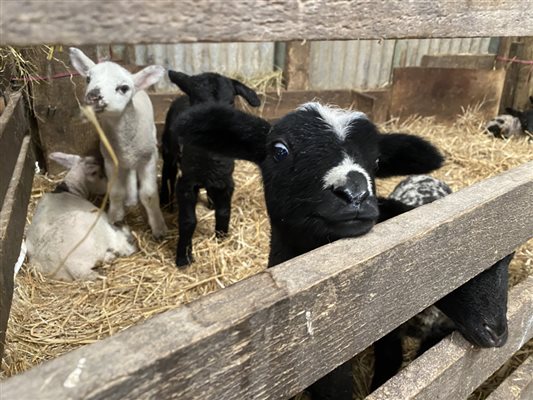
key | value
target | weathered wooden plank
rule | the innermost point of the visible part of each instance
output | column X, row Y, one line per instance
column 275, row 333
column 164, row 21
column 471, row 61
column 444, row 92
column 518, row 385
column 13, row 127
column 454, row 368
column 296, row 71
column 12, row 221
column 381, row 104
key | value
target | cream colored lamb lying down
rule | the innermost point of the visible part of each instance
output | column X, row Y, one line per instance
column 64, row 217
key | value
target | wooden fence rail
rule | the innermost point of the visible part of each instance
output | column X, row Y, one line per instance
column 165, row 21
column 275, row 333
column 454, row 368
column 518, row 385
column 16, row 177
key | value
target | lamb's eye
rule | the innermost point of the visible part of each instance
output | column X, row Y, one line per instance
column 280, row 151
column 123, row 89
column 88, row 79
column 377, row 163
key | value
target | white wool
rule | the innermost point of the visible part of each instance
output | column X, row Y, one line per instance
column 337, row 118
column 338, row 175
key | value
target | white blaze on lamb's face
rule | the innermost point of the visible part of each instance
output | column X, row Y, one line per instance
column 338, row 175
column 339, row 120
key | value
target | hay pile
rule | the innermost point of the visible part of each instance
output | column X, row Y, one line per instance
column 49, row 318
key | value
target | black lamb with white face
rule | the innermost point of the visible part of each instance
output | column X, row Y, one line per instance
column 318, row 165
column 199, row 168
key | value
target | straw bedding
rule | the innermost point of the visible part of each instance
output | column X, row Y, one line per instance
column 49, row 318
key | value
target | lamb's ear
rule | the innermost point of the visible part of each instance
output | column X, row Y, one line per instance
column 513, row 112
column 80, row 61
column 64, row 159
column 183, row 81
column 402, row 154
column 223, row 130
column 245, row 92
column 148, row 76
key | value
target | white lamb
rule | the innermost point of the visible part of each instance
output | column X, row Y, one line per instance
column 63, row 218
column 126, row 114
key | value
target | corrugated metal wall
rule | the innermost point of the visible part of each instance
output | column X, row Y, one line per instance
column 368, row 64
column 246, row 59
column 358, row 64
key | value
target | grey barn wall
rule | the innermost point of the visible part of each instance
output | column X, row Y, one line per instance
column 245, row 59
column 350, row 64
column 368, row 64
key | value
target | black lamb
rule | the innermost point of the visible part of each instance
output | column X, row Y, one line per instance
column 477, row 309
column 318, row 165
column 199, row 168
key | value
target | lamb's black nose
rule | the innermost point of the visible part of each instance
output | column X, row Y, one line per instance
column 94, row 96
column 350, row 195
column 498, row 337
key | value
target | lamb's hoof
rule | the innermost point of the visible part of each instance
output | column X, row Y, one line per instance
column 221, row 234
column 182, row 262
column 160, row 233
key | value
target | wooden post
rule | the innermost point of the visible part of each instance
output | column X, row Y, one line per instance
column 296, row 70
column 524, row 79
column 16, row 175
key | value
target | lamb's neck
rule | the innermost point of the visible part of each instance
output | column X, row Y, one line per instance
column 120, row 128
column 285, row 245
column 72, row 187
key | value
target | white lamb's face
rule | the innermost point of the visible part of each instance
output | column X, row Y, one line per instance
column 109, row 88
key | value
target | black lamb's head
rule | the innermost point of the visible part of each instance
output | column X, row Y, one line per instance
column 212, row 87
column 318, row 164
column 479, row 307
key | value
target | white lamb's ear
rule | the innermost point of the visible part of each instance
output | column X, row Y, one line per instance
column 80, row 61
column 148, row 76
column 66, row 160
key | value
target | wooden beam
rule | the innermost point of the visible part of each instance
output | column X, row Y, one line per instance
column 12, row 222
column 272, row 335
column 13, row 126
column 445, row 92
column 518, row 385
column 296, row 70
column 454, row 368
column 164, row 21
column 470, row 61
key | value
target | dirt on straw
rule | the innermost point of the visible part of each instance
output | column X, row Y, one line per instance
column 49, row 318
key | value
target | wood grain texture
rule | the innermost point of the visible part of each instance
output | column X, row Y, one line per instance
column 444, row 92
column 164, row 21
column 271, row 335
column 12, row 222
column 518, row 385
column 13, row 127
column 471, row 61
column 296, row 71
column 454, row 368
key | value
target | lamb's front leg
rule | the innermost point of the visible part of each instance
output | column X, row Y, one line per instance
column 117, row 191
column 149, row 197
